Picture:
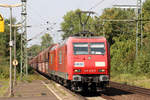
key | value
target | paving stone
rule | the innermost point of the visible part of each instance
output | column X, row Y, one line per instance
column 31, row 91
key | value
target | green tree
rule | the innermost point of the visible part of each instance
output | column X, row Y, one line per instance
column 46, row 41
column 4, row 41
column 142, row 65
column 71, row 24
column 121, row 36
column 34, row 50
column 4, row 48
column 115, row 29
column 146, row 16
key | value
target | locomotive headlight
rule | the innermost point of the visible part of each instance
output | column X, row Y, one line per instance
column 101, row 70
column 77, row 70
column 78, row 64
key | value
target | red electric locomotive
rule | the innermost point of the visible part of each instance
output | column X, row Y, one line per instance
column 81, row 62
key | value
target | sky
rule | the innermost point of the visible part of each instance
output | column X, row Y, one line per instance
column 39, row 12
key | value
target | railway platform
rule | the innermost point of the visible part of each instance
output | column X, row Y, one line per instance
column 34, row 90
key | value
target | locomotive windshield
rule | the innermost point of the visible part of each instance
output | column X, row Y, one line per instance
column 80, row 48
column 97, row 48
column 89, row 48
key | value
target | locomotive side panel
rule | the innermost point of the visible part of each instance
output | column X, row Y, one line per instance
column 52, row 67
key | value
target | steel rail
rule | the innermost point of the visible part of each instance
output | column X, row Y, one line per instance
column 129, row 88
column 78, row 95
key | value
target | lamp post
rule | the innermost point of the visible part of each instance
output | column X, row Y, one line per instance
column 15, row 30
column 16, row 27
column 10, row 44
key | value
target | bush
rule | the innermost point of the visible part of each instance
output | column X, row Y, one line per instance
column 4, row 71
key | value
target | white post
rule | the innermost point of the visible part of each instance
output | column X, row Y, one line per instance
column 10, row 75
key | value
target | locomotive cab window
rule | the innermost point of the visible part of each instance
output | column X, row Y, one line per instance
column 97, row 48
column 80, row 48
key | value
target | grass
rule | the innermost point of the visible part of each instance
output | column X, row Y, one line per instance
column 4, row 81
column 140, row 80
column 4, row 86
column 31, row 77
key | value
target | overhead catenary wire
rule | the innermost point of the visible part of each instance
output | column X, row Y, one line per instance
column 50, row 28
column 36, row 25
column 38, row 35
column 99, row 3
column 96, row 5
column 46, row 21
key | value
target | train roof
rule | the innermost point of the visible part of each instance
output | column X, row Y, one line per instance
column 93, row 37
column 79, row 37
column 47, row 49
column 54, row 47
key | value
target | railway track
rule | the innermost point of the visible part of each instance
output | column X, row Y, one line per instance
column 85, row 96
column 129, row 88
column 79, row 95
column 126, row 89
